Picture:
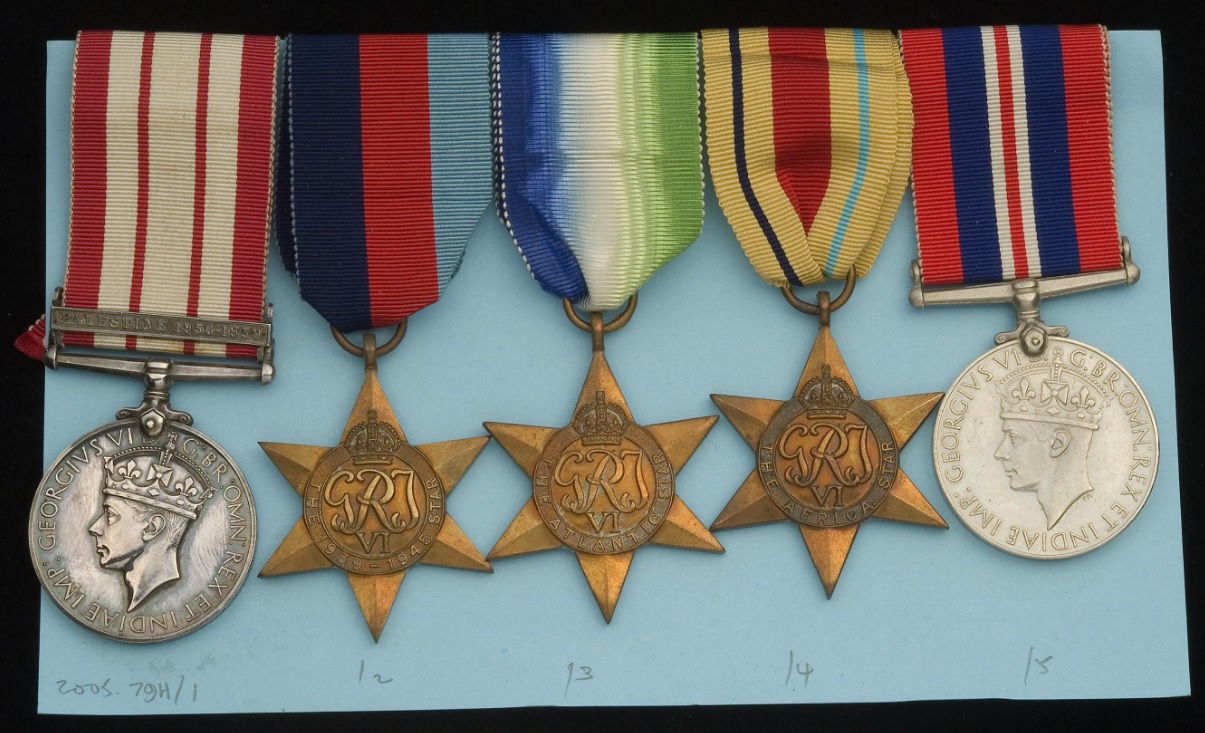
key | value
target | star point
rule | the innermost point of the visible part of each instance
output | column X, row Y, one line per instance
column 816, row 465
column 600, row 483
column 374, row 506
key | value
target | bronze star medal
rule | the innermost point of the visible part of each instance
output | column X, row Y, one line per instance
column 374, row 505
column 827, row 459
column 603, row 486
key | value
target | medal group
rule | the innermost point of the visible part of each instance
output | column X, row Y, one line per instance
column 370, row 159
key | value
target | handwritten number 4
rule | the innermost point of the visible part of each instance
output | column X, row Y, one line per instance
column 793, row 667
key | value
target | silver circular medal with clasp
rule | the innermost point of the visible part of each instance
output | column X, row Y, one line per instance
column 1046, row 456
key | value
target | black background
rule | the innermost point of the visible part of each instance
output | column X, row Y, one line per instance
column 26, row 26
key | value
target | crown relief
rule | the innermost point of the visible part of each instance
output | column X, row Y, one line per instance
column 372, row 442
column 154, row 485
column 600, row 423
column 826, row 395
column 1049, row 390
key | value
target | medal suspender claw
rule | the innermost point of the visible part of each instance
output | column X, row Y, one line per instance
column 385, row 173
column 810, row 186
column 1045, row 448
column 598, row 178
column 144, row 529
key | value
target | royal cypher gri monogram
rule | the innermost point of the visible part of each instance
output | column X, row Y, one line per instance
column 826, row 458
column 374, row 504
column 602, row 484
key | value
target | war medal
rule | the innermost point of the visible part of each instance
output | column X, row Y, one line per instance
column 598, row 190
column 1045, row 447
column 144, row 529
column 388, row 171
column 810, row 187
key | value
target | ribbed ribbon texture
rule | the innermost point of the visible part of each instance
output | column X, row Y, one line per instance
column 171, row 175
column 1013, row 173
column 385, row 169
column 597, row 157
column 808, row 140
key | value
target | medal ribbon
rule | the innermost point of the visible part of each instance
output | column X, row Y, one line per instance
column 808, row 140
column 171, row 174
column 597, row 157
column 385, row 169
column 1014, row 155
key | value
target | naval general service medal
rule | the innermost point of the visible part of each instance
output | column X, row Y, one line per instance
column 385, row 172
column 598, row 177
column 144, row 529
column 808, row 135
column 1045, row 447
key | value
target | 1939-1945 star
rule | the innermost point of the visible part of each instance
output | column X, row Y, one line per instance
column 374, row 506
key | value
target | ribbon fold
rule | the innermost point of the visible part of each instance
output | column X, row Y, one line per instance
column 385, row 169
column 598, row 157
column 808, row 140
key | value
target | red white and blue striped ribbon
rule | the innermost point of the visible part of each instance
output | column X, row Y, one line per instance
column 385, row 169
column 171, row 155
column 1013, row 160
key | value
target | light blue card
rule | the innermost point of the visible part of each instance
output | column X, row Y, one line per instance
column 919, row 613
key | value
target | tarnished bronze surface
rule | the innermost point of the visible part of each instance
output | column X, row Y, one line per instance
column 374, row 505
column 603, row 485
column 827, row 459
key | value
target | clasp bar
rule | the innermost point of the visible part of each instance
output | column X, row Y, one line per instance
column 1025, row 295
column 168, row 327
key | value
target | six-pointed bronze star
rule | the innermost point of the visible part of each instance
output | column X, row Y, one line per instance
column 375, row 591
column 604, row 559
column 829, row 546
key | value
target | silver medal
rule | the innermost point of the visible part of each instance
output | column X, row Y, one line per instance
column 1046, row 456
column 143, row 529
column 1045, row 447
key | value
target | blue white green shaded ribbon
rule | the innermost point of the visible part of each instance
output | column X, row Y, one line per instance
column 597, row 157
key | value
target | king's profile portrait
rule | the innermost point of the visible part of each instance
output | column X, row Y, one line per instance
column 146, row 511
column 1047, row 424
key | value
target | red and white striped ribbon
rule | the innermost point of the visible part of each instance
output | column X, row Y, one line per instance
column 171, row 147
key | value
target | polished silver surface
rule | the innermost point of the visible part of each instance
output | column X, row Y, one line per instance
column 1046, row 456
column 143, row 529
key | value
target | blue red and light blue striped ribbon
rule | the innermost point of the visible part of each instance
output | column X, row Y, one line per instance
column 1013, row 160
column 598, row 158
column 384, row 171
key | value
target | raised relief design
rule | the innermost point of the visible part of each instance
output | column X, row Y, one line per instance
column 833, row 458
column 605, row 479
column 151, row 497
column 374, row 504
column 1046, row 456
column 1048, row 415
column 142, row 538
column 603, row 485
column 827, row 460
